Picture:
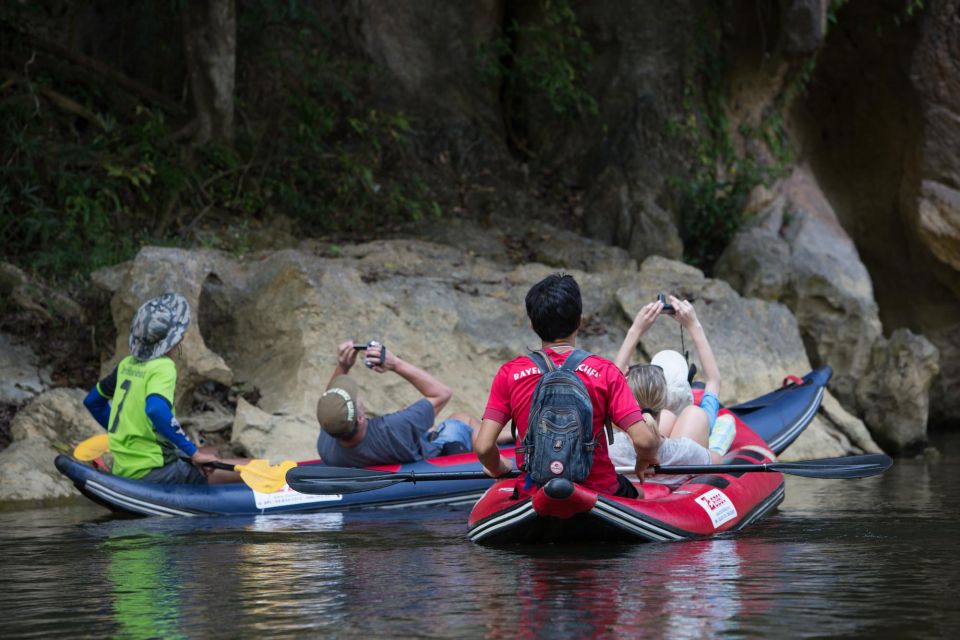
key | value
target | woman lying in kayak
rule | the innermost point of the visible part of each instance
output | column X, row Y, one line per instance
column 695, row 436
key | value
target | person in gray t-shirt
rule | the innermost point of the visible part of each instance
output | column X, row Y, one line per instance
column 349, row 439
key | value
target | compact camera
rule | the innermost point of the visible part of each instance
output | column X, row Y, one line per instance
column 373, row 343
column 667, row 307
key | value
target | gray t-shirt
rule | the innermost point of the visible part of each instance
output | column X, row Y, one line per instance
column 393, row 438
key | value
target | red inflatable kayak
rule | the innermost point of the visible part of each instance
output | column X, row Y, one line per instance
column 562, row 511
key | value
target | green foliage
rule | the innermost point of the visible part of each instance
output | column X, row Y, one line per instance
column 75, row 196
column 65, row 203
column 329, row 160
column 713, row 194
column 544, row 60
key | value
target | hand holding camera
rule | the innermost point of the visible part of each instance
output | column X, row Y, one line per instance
column 376, row 355
column 667, row 307
column 681, row 310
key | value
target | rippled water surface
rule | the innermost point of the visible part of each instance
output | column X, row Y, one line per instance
column 875, row 557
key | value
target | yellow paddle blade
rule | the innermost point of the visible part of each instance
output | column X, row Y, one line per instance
column 92, row 448
column 261, row 476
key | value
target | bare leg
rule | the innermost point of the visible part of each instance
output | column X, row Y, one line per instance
column 692, row 423
column 665, row 423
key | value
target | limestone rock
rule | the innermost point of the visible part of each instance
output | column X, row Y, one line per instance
column 833, row 432
column 797, row 252
column 944, row 399
column 895, row 391
column 37, row 299
column 618, row 215
column 932, row 208
column 275, row 437
column 851, row 427
column 27, row 472
column 57, row 415
column 21, row 375
column 817, row 441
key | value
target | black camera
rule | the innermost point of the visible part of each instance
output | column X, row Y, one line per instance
column 373, row 343
column 667, row 307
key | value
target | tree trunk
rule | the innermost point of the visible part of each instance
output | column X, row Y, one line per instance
column 210, row 42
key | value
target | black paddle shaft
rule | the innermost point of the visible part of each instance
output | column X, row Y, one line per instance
column 332, row 480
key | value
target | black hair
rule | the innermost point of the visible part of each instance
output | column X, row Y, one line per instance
column 554, row 306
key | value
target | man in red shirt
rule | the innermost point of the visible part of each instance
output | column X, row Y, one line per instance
column 554, row 307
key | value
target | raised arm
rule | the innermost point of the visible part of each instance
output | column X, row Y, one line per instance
column 687, row 317
column 643, row 321
column 429, row 387
column 346, row 358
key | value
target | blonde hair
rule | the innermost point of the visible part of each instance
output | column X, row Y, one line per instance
column 649, row 386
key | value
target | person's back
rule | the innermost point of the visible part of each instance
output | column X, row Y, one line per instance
column 511, row 396
column 134, row 444
column 135, row 402
column 348, row 438
column 554, row 307
column 392, row 438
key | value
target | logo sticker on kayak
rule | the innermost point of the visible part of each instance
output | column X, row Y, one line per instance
column 287, row 496
column 718, row 506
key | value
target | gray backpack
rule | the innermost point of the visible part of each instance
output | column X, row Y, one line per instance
column 559, row 441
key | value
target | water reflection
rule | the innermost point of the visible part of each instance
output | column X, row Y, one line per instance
column 684, row 590
column 295, row 573
column 145, row 589
column 840, row 558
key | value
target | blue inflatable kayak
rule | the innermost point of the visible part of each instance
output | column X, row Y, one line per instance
column 778, row 417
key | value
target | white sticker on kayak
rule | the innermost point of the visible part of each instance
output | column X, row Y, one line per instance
column 718, row 506
column 287, row 496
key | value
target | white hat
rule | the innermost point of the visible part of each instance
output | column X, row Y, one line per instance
column 675, row 370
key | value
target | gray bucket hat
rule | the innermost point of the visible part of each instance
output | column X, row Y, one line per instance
column 158, row 326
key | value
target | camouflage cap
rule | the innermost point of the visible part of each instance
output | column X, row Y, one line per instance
column 158, row 326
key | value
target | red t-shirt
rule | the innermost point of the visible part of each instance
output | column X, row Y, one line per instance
column 512, row 392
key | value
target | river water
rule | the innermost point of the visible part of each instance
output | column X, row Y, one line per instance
column 841, row 558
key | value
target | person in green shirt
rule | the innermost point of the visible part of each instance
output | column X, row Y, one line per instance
column 135, row 403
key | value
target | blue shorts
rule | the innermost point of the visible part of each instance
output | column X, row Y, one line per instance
column 711, row 404
column 177, row 472
column 454, row 434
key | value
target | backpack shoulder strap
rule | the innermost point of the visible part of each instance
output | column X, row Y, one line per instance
column 575, row 359
column 542, row 360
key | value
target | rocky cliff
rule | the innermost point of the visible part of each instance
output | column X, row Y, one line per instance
column 801, row 154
